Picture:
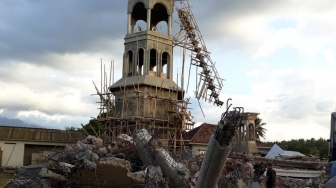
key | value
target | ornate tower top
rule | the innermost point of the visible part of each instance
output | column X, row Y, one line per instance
column 150, row 11
column 148, row 51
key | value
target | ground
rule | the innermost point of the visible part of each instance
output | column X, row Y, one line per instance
column 4, row 178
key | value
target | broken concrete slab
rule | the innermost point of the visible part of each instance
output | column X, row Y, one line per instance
column 45, row 173
column 290, row 163
column 297, row 173
column 103, row 151
column 125, row 137
column 97, row 142
column 30, row 171
column 155, row 173
column 110, row 172
column 83, row 146
column 147, row 147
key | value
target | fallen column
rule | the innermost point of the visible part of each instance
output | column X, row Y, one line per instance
column 213, row 164
column 152, row 154
column 218, row 150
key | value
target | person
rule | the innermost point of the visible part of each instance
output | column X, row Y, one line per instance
column 270, row 176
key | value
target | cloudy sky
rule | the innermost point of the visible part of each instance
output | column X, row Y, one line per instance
column 277, row 57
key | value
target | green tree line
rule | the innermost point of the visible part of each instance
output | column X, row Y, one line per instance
column 91, row 128
column 318, row 147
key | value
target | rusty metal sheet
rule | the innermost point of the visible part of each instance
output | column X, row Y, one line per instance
column 37, row 134
column 204, row 133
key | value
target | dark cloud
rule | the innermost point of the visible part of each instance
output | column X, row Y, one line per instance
column 29, row 30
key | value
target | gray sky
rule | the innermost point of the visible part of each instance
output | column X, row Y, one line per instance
column 278, row 58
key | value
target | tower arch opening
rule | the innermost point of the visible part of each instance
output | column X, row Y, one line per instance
column 159, row 13
column 141, row 53
column 165, row 62
column 130, row 63
column 153, row 60
column 139, row 17
column 252, row 131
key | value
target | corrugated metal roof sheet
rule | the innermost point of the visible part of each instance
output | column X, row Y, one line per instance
column 277, row 151
column 292, row 153
column 37, row 134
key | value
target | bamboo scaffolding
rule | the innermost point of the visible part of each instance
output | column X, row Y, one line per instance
column 169, row 128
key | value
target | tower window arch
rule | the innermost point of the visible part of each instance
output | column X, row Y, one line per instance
column 139, row 18
column 141, row 53
column 139, row 12
column 165, row 62
column 129, row 63
column 252, row 131
column 153, row 60
column 159, row 13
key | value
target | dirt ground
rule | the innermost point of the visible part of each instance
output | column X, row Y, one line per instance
column 4, row 178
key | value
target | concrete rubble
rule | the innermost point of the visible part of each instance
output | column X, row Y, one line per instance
column 88, row 163
column 151, row 153
column 140, row 161
column 241, row 171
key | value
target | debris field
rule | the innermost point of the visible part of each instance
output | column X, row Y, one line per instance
column 140, row 161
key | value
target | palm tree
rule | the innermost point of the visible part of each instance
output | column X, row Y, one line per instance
column 260, row 130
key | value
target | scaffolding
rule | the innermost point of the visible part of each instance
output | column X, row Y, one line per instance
column 129, row 104
column 168, row 129
column 189, row 37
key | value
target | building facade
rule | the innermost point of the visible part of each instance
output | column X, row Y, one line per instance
column 244, row 140
column 23, row 146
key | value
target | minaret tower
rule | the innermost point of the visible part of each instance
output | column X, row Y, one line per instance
column 147, row 51
column 146, row 95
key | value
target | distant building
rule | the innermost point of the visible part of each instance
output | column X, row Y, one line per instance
column 22, row 146
column 199, row 137
column 244, row 141
column 263, row 148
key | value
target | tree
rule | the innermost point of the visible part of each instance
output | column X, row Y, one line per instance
column 259, row 129
column 319, row 147
column 94, row 127
column 72, row 129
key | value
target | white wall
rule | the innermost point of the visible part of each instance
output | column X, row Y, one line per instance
column 17, row 156
column 16, row 159
column 198, row 149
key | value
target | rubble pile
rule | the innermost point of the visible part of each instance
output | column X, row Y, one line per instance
column 93, row 163
column 87, row 163
column 140, row 161
column 238, row 168
column 296, row 182
column 300, row 158
column 297, row 171
column 239, row 172
column 304, row 162
column 153, row 154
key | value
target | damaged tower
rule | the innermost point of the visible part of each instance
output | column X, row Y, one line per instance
column 146, row 96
